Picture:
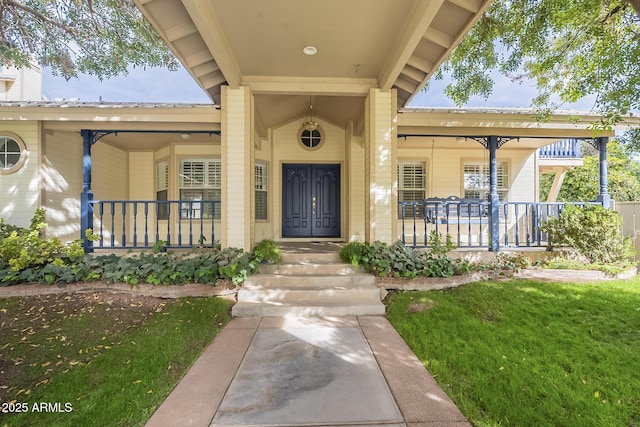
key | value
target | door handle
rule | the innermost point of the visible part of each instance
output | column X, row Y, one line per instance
column 313, row 205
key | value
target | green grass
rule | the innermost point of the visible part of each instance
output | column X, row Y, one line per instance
column 113, row 361
column 526, row 353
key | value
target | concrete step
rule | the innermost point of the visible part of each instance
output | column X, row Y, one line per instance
column 307, row 280
column 309, row 284
column 304, row 267
column 317, row 257
column 318, row 294
column 304, row 307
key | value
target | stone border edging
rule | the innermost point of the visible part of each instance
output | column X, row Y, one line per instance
column 556, row 275
column 143, row 289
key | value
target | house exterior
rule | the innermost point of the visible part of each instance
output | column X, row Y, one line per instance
column 309, row 137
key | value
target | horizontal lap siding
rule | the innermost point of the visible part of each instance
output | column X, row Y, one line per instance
column 62, row 183
column 20, row 191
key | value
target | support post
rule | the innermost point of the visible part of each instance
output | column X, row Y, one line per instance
column 86, row 197
column 494, row 198
column 603, row 197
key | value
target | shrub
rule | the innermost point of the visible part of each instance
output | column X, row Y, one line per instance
column 24, row 248
column 266, row 251
column 594, row 232
column 398, row 260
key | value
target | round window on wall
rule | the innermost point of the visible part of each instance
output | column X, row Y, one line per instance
column 12, row 154
column 311, row 139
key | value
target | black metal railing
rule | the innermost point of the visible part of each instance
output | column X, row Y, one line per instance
column 469, row 224
column 140, row 224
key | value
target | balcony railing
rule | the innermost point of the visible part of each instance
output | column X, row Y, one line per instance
column 140, row 224
column 565, row 149
column 468, row 223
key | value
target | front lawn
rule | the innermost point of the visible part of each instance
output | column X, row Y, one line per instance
column 98, row 359
column 527, row 353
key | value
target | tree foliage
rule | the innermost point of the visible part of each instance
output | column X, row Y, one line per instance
column 583, row 183
column 98, row 37
column 571, row 49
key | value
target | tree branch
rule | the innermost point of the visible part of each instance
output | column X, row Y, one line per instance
column 37, row 14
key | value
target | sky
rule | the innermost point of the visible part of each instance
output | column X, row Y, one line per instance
column 161, row 85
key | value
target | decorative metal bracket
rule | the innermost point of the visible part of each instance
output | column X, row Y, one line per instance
column 592, row 142
column 94, row 136
column 484, row 140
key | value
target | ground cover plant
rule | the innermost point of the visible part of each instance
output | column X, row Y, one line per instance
column 27, row 257
column 399, row 260
column 98, row 359
column 526, row 353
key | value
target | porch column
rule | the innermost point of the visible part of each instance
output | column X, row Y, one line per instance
column 380, row 163
column 603, row 197
column 236, row 156
column 494, row 198
column 86, row 197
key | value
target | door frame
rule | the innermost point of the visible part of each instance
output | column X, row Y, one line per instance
column 343, row 202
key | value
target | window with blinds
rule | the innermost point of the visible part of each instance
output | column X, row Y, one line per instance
column 412, row 184
column 476, row 180
column 162, row 188
column 261, row 187
column 200, row 179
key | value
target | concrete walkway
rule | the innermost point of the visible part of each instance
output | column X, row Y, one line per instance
column 277, row 371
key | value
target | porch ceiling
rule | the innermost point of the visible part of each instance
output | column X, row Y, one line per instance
column 361, row 44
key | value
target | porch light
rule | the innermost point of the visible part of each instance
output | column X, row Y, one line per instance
column 310, row 124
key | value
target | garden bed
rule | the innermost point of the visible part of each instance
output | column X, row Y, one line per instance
column 555, row 275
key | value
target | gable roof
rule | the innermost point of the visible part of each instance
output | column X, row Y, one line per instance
column 361, row 44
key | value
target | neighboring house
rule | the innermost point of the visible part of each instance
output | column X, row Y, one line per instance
column 20, row 84
column 309, row 137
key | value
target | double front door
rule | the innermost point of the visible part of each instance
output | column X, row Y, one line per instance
column 310, row 200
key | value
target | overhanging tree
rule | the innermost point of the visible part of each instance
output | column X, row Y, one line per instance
column 97, row 37
column 582, row 183
column 570, row 48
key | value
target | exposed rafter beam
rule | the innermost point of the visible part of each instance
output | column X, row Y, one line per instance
column 179, row 31
column 212, row 79
column 405, row 85
column 413, row 73
column 202, row 57
column 420, row 64
column 438, row 37
column 204, row 69
column 472, row 6
column 208, row 24
column 462, row 31
column 421, row 19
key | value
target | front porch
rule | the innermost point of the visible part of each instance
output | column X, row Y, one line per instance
column 469, row 224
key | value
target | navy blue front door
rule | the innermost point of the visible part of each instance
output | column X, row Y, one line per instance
column 310, row 200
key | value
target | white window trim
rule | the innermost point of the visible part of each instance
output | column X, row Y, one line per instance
column 23, row 153
column 261, row 185
column 400, row 170
column 483, row 167
column 208, row 183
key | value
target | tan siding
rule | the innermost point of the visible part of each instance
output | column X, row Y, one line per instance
column 382, row 166
column 110, row 182
column 62, row 183
column 236, row 168
column 357, row 189
column 20, row 191
column 288, row 149
column 110, row 172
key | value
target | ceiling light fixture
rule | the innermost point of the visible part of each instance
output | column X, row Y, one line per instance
column 309, row 50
